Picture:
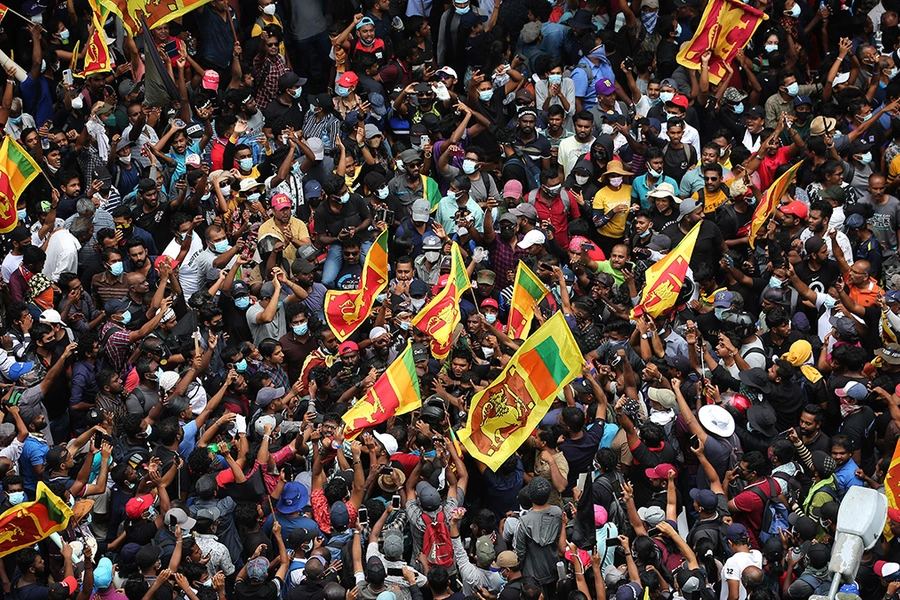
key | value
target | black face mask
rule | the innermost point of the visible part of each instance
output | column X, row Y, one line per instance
column 507, row 234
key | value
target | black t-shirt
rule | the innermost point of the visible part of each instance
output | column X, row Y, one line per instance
column 352, row 214
column 276, row 111
column 676, row 163
column 859, row 428
column 156, row 222
column 820, row 279
column 141, row 532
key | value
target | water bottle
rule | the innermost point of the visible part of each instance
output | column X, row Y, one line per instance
column 45, row 143
column 326, row 139
column 561, row 570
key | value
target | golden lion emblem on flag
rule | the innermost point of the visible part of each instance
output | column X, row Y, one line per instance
column 503, row 408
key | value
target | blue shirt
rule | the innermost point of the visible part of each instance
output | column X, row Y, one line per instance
column 190, row 438
column 289, row 524
column 36, row 99
column 846, row 477
column 33, row 453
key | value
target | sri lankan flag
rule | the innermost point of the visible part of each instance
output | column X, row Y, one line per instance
column 664, row 278
column 892, row 488
column 345, row 310
column 3, row 10
column 156, row 13
column 396, row 392
column 770, row 201
column 506, row 412
column 440, row 317
column 528, row 290
column 17, row 170
column 23, row 525
column 97, row 58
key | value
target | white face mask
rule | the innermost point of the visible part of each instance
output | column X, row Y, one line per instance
column 126, row 159
column 77, row 103
column 581, row 179
column 615, row 182
column 269, row 9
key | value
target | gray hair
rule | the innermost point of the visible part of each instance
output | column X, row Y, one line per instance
column 81, row 227
column 85, row 207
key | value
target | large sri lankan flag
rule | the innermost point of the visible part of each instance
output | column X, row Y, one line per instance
column 505, row 413
column 17, row 170
column 892, row 489
column 664, row 278
column 396, row 392
column 346, row 310
column 156, row 13
column 441, row 315
column 528, row 290
column 24, row 525
column 725, row 28
column 771, row 198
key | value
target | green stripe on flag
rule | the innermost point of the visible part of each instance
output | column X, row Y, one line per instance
column 549, row 353
column 529, row 285
column 53, row 512
column 409, row 365
column 23, row 162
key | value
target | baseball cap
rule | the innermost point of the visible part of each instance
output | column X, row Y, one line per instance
column 526, row 211
column 660, row 471
column 687, row 206
column 853, row 389
column 421, row 209
column 706, row 499
column 679, row 100
column 348, row 79
column 736, row 532
column 795, row 208
column 533, row 237
column 855, row 221
column 50, row 317
column 605, row 87
column 135, row 507
column 258, row 568
column 265, row 395
column 210, row 80
column 723, row 299
column 486, row 277
column 506, row 559
column 347, row 347
column 280, row 201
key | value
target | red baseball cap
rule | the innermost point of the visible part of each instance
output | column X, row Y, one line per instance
column 346, row 347
column 795, row 208
column 660, row 471
column 490, row 302
column 348, row 79
column 679, row 100
column 135, row 507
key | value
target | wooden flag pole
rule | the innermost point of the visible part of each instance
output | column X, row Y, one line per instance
column 21, row 16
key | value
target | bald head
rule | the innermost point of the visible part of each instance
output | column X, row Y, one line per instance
column 134, row 280
column 752, row 578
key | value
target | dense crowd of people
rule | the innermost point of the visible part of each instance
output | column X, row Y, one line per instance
column 167, row 370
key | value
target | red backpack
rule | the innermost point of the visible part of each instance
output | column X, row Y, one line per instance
column 436, row 544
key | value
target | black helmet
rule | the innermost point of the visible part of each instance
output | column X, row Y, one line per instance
column 739, row 323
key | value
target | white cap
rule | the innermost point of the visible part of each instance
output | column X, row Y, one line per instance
column 531, row 238
column 317, row 147
column 168, row 380
column 51, row 317
column 715, row 419
column 192, row 160
column 377, row 332
column 260, row 425
column 448, row 71
column 388, row 441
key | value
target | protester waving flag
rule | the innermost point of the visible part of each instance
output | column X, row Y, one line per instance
column 528, row 291
column 346, row 310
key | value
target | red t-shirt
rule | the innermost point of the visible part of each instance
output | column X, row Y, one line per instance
column 751, row 507
column 769, row 165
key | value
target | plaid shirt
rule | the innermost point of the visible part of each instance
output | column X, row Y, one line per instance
column 113, row 406
column 266, row 71
column 278, row 375
column 504, row 260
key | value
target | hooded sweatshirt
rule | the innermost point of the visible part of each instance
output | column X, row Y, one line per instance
column 536, row 543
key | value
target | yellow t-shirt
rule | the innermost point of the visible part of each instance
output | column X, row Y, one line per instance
column 261, row 22
column 713, row 201
column 298, row 231
column 605, row 200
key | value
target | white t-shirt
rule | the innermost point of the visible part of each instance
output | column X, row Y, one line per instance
column 734, row 567
column 754, row 358
column 11, row 262
column 189, row 275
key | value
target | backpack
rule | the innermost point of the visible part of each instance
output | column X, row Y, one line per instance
column 337, row 542
column 713, row 530
column 436, row 544
column 617, row 513
column 791, row 487
column 775, row 513
column 588, row 71
column 820, row 587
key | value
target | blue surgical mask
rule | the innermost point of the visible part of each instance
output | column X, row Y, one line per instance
column 738, row 108
column 253, row 197
column 295, row 168
column 646, row 233
column 554, row 79
column 678, row 30
column 666, row 96
column 246, row 164
column 653, row 173
column 64, row 35
column 795, row 12
column 867, row 157
column 775, row 283
column 345, row 198
column 222, row 246
column 382, row 193
column 469, row 166
column 22, row 214
column 341, row 91
column 126, row 318
column 405, row 325
column 770, row 48
column 242, row 302
column 159, row 373
column 719, row 312
column 116, row 268
column 462, row 11
column 486, row 95
column 490, row 317
column 241, row 365
column 16, row 498
column 296, row 93
column 829, row 302
column 793, row 89
column 15, row 120
column 300, row 329
column 380, row 298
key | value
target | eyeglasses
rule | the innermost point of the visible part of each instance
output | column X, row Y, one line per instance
column 273, row 44
column 351, row 254
column 710, row 178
